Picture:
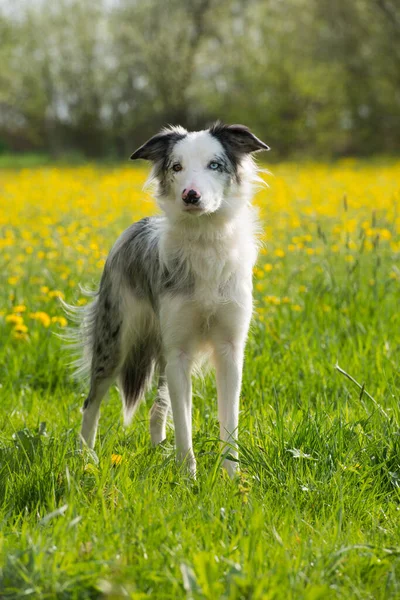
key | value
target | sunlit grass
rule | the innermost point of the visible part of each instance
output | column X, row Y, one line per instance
column 316, row 511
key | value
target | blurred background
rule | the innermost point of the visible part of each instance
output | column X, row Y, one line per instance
column 95, row 78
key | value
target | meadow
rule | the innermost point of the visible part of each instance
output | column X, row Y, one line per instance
column 315, row 513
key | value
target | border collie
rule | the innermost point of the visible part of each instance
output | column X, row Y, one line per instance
column 177, row 288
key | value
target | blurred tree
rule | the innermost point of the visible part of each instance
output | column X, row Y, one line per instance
column 311, row 76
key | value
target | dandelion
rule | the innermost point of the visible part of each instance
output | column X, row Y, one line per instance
column 60, row 320
column 296, row 307
column 16, row 319
column 272, row 300
column 116, row 459
column 19, row 308
column 42, row 317
column 56, row 294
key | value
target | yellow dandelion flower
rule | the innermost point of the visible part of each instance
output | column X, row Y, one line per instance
column 268, row 267
column 16, row 319
column 13, row 280
column 385, row 234
column 258, row 273
column 272, row 300
column 296, row 307
column 116, row 459
column 279, row 253
column 56, row 294
column 19, row 308
column 41, row 316
column 60, row 320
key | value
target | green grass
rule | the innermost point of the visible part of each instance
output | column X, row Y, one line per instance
column 315, row 513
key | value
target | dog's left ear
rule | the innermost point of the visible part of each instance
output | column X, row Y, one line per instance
column 156, row 147
column 238, row 137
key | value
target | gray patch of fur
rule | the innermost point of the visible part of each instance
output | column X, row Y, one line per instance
column 134, row 264
column 137, row 373
column 136, row 258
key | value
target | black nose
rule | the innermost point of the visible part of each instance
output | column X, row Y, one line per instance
column 192, row 197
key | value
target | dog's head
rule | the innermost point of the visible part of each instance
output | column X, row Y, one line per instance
column 200, row 172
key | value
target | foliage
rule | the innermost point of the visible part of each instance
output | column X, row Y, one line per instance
column 315, row 512
column 310, row 76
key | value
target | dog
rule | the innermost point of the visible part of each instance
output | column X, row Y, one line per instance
column 177, row 288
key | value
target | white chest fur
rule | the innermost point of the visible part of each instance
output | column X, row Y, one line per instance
column 218, row 256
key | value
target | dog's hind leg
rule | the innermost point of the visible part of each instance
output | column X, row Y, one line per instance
column 91, row 409
column 159, row 411
column 106, row 361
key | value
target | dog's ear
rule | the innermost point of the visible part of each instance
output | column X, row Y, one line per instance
column 239, row 138
column 157, row 147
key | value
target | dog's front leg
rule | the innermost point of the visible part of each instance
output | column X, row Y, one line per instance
column 229, row 365
column 178, row 372
column 179, row 342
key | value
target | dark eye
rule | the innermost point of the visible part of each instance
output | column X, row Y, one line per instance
column 214, row 165
column 177, row 167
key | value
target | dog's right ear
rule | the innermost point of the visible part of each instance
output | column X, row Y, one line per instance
column 158, row 146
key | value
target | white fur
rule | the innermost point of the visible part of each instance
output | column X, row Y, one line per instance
column 220, row 249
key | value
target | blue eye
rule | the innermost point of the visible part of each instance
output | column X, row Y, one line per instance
column 214, row 165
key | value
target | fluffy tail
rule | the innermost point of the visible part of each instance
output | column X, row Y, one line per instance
column 80, row 339
column 102, row 353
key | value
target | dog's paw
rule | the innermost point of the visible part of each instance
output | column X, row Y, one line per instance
column 188, row 464
column 231, row 466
